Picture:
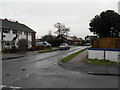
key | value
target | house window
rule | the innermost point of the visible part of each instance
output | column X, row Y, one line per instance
column 25, row 33
column 7, row 43
column 19, row 32
column 29, row 34
column 14, row 31
column 13, row 43
column 29, row 42
column 6, row 30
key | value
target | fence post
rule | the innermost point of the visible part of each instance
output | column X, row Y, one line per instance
column 118, row 58
column 104, row 55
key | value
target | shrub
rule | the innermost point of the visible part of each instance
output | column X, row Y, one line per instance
column 6, row 50
column 32, row 49
column 23, row 45
column 56, row 42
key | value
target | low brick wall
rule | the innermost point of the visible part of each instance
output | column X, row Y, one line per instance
column 108, row 54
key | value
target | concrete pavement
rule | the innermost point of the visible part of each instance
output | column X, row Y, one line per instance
column 77, row 64
column 17, row 55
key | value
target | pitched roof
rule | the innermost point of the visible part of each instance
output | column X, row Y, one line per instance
column 15, row 25
column 92, row 36
column 68, row 38
column 74, row 38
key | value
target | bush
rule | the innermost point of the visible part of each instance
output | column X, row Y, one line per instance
column 23, row 45
column 6, row 50
column 13, row 49
column 32, row 49
column 10, row 50
column 56, row 42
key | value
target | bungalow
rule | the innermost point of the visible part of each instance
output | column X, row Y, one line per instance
column 76, row 40
column 73, row 40
column 12, row 31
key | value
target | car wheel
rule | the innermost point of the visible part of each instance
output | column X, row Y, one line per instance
column 69, row 47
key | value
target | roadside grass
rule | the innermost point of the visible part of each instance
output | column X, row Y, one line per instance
column 71, row 56
column 39, row 51
column 0, row 52
column 48, row 50
column 99, row 62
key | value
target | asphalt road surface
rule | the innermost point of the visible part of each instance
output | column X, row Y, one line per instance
column 43, row 71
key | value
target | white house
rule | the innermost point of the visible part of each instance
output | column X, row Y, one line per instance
column 11, row 32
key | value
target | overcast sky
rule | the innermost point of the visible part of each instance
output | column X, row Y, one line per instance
column 41, row 15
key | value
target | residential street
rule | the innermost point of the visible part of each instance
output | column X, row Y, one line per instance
column 42, row 70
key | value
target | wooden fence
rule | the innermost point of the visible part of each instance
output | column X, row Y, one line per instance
column 106, row 43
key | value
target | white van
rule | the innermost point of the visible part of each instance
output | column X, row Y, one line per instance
column 42, row 43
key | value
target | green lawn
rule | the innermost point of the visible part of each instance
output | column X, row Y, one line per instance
column 48, row 50
column 99, row 62
column 72, row 56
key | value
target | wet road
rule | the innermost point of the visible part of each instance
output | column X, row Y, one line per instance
column 42, row 71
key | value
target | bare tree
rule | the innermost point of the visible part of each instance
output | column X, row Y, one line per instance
column 62, row 29
column 66, row 30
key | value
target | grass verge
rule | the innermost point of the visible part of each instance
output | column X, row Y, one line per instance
column 71, row 56
column 2, row 52
column 48, row 50
column 99, row 62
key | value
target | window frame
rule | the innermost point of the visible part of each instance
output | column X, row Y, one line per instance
column 5, row 30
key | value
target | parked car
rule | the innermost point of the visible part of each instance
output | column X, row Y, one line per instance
column 43, row 43
column 87, row 44
column 64, row 46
